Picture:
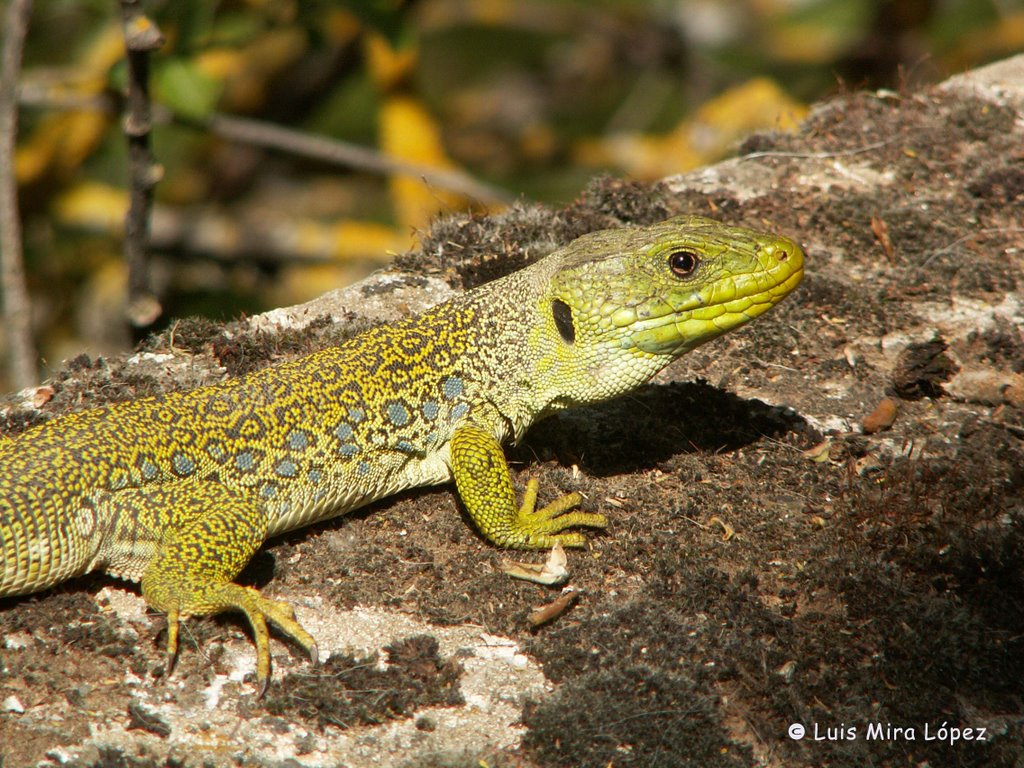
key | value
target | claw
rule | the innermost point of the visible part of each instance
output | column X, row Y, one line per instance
column 262, row 686
column 172, row 640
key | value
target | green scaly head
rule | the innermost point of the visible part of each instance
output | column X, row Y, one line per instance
column 621, row 304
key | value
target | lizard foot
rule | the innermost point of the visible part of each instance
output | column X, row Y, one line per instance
column 543, row 527
column 259, row 610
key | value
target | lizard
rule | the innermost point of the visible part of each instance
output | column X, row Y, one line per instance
column 178, row 491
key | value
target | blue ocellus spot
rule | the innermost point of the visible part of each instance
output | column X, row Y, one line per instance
column 149, row 470
column 363, row 468
column 398, row 414
column 343, row 431
column 268, row 491
column 430, row 410
column 298, row 440
column 286, row 468
column 182, row 465
column 356, row 414
column 459, row 411
column 348, row 450
column 216, row 452
column 405, row 446
column 314, row 476
column 452, row 387
column 245, row 461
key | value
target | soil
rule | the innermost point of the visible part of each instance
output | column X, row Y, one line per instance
column 768, row 562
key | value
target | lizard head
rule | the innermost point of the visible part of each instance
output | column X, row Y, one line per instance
column 621, row 304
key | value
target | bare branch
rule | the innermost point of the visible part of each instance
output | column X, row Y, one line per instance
column 17, row 308
column 270, row 136
column 140, row 36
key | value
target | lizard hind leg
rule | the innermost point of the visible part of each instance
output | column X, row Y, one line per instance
column 206, row 535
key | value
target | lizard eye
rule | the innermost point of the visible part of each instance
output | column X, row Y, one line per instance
column 683, row 263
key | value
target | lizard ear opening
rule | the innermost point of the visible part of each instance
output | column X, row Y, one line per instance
column 562, row 314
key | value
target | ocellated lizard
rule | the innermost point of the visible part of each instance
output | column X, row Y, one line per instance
column 179, row 491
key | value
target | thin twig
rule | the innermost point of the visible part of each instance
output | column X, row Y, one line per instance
column 817, row 155
column 140, row 36
column 270, row 136
column 969, row 236
column 17, row 309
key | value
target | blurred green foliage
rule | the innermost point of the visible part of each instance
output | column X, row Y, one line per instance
column 521, row 94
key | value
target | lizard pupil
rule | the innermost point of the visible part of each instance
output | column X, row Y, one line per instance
column 683, row 263
column 562, row 313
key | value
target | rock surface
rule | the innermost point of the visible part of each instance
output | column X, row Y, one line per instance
column 770, row 562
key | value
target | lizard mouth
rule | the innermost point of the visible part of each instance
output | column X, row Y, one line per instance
column 684, row 320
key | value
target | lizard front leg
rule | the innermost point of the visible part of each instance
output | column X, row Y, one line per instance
column 485, row 486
